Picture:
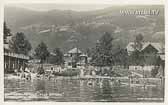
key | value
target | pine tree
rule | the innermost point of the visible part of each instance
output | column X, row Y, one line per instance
column 103, row 51
column 137, row 57
column 41, row 52
column 6, row 32
column 19, row 44
column 57, row 58
column 138, row 43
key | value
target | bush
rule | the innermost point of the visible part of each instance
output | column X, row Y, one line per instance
column 154, row 72
column 40, row 70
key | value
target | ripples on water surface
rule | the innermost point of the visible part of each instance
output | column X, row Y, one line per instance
column 68, row 89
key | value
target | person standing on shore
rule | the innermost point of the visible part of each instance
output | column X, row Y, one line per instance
column 22, row 72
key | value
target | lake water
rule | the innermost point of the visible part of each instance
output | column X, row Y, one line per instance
column 63, row 89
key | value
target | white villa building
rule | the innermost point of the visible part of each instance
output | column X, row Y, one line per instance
column 75, row 57
column 12, row 60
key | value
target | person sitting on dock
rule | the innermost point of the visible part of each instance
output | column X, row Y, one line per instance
column 16, row 71
column 28, row 74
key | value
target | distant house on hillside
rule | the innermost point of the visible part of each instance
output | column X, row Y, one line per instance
column 75, row 57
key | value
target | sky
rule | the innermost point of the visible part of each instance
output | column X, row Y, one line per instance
column 48, row 6
column 77, row 5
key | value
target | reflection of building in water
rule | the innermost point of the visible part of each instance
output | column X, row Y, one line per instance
column 75, row 57
column 12, row 60
column 82, row 89
column 42, row 88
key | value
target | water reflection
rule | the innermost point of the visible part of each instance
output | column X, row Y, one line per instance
column 41, row 88
column 71, row 89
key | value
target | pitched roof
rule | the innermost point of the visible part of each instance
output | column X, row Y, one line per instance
column 74, row 50
column 15, row 55
column 83, row 55
column 158, row 46
column 11, row 54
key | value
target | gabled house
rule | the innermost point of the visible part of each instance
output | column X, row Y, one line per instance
column 75, row 57
column 151, row 56
column 147, row 46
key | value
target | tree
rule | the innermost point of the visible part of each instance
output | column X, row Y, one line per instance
column 6, row 32
column 139, row 38
column 121, row 57
column 57, row 57
column 138, row 43
column 41, row 52
column 154, row 72
column 88, row 51
column 19, row 44
column 137, row 57
column 40, row 70
column 103, row 51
